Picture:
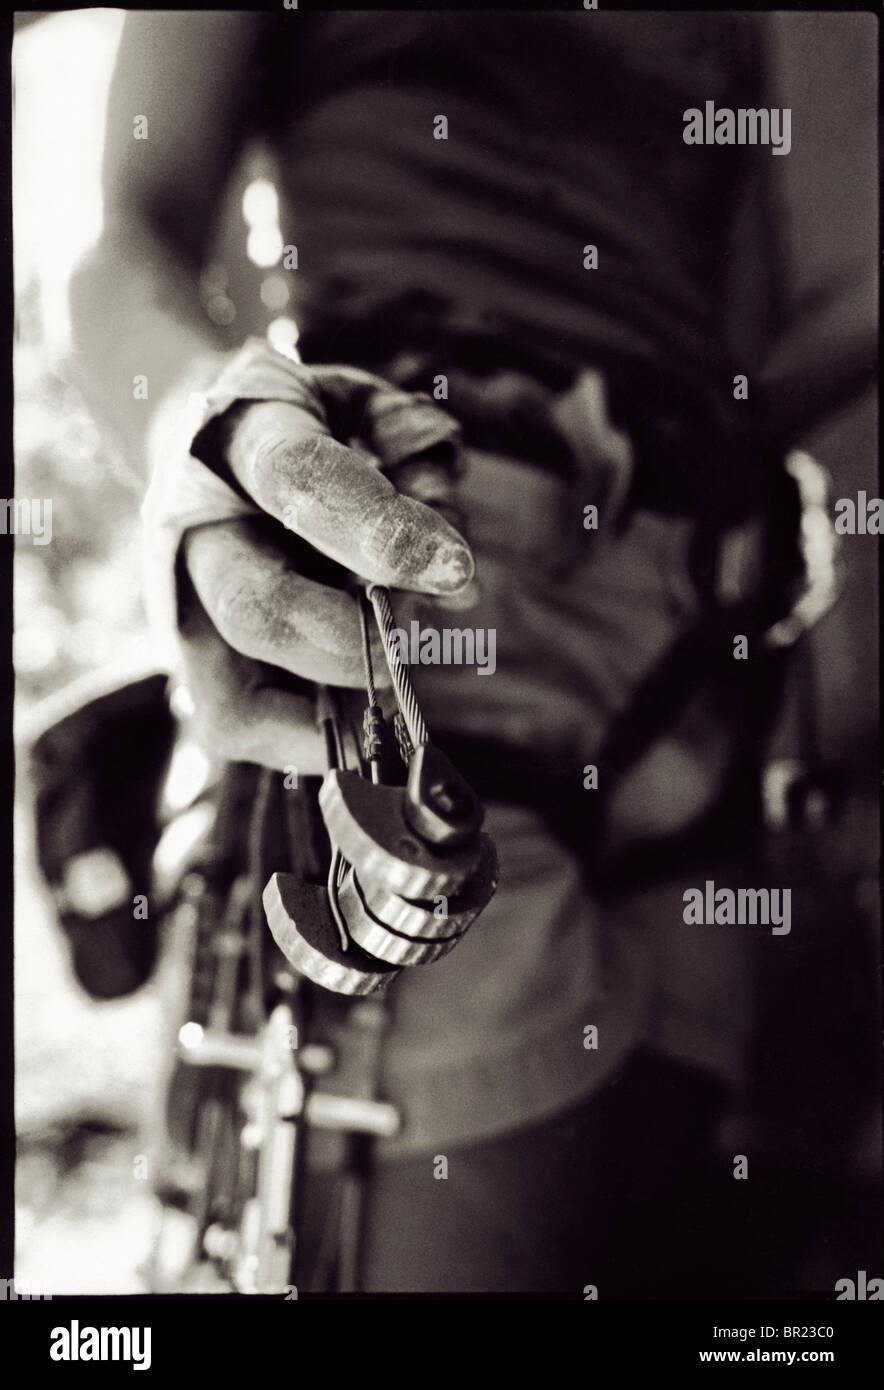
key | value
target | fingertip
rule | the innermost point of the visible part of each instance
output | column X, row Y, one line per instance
column 450, row 570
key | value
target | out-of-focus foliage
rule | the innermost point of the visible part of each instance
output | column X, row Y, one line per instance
column 77, row 599
column 77, row 603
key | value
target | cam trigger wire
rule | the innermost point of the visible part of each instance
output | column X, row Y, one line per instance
column 366, row 649
column 405, row 693
column 373, row 717
column 334, row 751
column 410, row 727
column 403, row 742
column 336, row 872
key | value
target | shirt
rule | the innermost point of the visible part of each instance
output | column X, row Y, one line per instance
column 450, row 176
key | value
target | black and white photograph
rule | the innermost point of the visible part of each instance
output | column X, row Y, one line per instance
column 444, row 527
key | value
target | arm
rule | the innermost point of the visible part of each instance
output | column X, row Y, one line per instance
column 134, row 299
column 248, row 618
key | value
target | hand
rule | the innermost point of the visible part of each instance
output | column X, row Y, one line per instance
column 255, row 617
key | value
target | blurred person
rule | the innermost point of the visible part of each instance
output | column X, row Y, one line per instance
column 503, row 204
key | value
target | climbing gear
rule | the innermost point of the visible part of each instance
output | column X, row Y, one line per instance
column 410, row 869
column 400, row 874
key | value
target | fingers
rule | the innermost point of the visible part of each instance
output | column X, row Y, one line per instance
column 239, row 713
column 265, row 610
column 395, row 424
column 337, row 499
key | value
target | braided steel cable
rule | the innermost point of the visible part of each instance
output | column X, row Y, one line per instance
column 373, row 717
column 405, row 692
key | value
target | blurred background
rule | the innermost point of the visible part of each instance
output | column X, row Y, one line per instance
column 86, row 1071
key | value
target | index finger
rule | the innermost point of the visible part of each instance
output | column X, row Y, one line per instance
column 338, row 500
